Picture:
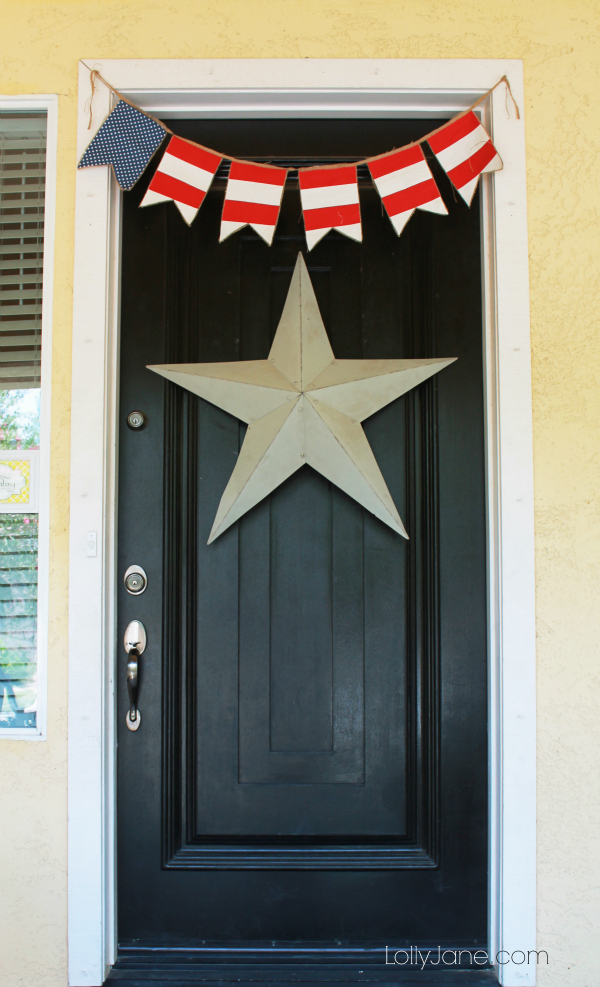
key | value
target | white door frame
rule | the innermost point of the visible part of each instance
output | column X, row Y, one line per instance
column 301, row 88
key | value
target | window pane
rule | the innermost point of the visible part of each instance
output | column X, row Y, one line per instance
column 18, row 619
column 22, row 192
column 22, row 187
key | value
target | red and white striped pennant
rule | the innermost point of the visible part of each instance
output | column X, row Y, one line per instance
column 253, row 198
column 465, row 151
column 330, row 202
column 405, row 183
column 183, row 176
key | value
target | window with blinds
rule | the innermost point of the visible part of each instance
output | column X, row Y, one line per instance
column 22, row 184
column 22, row 180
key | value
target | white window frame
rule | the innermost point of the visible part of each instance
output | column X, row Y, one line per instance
column 319, row 88
column 47, row 103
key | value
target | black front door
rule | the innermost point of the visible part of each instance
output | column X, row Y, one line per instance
column 309, row 779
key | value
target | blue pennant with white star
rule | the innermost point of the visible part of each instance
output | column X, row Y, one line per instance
column 126, row 140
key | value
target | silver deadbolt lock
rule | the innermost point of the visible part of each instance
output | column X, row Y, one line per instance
column 137, row 420
column 135, row 580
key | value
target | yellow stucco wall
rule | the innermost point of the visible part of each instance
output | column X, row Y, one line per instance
column 40, row 44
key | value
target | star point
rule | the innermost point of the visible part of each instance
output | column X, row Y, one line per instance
column 303, row 406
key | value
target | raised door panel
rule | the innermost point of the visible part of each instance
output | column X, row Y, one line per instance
column 307, row 718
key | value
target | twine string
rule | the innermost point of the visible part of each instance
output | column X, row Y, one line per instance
column 95, row 75
column 90, row 100
column 507, row 94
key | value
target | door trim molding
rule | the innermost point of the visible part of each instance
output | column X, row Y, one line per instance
column 320, row 88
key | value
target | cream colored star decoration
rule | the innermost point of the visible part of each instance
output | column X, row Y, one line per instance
column 303, row 407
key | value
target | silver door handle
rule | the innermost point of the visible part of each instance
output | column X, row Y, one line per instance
column 135, row 644
column 132, row 682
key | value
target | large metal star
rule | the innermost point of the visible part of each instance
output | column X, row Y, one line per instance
column 302, row 407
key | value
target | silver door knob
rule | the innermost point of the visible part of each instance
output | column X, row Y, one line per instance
column 135, row 645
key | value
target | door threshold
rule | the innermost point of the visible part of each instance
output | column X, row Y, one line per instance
column 282, row 975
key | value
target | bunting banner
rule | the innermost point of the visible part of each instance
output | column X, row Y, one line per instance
column 465, row 152
column 183, row 176
column 252, row 198
column 405, row 183
column 128, row 139
column 329, row 202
